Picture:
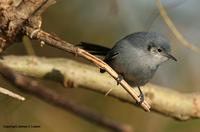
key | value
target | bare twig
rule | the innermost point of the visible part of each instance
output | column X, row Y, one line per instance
column 49, row 96
column 182, row 106
column 58, row 43
column 173, row 28
column 11, row 94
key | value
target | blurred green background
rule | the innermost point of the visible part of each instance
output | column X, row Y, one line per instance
column 105, row 22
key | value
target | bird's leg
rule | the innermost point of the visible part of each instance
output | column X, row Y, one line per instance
column 141, row 96
column 119, row 78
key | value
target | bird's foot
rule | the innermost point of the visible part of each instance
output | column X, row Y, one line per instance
column 119, row 79
column 141, row 96
column 102, row 70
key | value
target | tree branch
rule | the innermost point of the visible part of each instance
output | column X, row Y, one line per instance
column 32, row 86
column 26, row 19
column 56, row 42
column 163, row 100
column 13, row 17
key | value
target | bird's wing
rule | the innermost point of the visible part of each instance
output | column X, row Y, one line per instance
column 111, row 56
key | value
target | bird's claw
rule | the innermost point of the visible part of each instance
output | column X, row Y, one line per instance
column 141, row 96
column 119, row 79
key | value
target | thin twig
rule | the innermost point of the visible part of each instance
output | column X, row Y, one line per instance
column 32, row 86
column 11, row 94
column 173, row 28
column 58, row 43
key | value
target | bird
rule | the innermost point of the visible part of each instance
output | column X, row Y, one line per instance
column 135, row 58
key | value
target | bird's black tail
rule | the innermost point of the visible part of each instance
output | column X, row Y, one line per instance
column 94, row 49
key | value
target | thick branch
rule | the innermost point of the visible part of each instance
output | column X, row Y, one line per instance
column 13, row 17
column 163, row 100
column 32, row 86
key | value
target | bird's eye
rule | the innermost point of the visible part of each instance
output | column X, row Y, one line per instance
column 159, row 50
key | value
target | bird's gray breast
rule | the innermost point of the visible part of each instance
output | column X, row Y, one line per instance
column 132, row 63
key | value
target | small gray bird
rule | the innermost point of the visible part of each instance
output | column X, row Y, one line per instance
column 135, row 57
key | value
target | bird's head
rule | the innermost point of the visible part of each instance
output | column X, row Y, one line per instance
column 155, row 46
column 158, row 47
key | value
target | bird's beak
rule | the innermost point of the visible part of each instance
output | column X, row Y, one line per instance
column 171, row 57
